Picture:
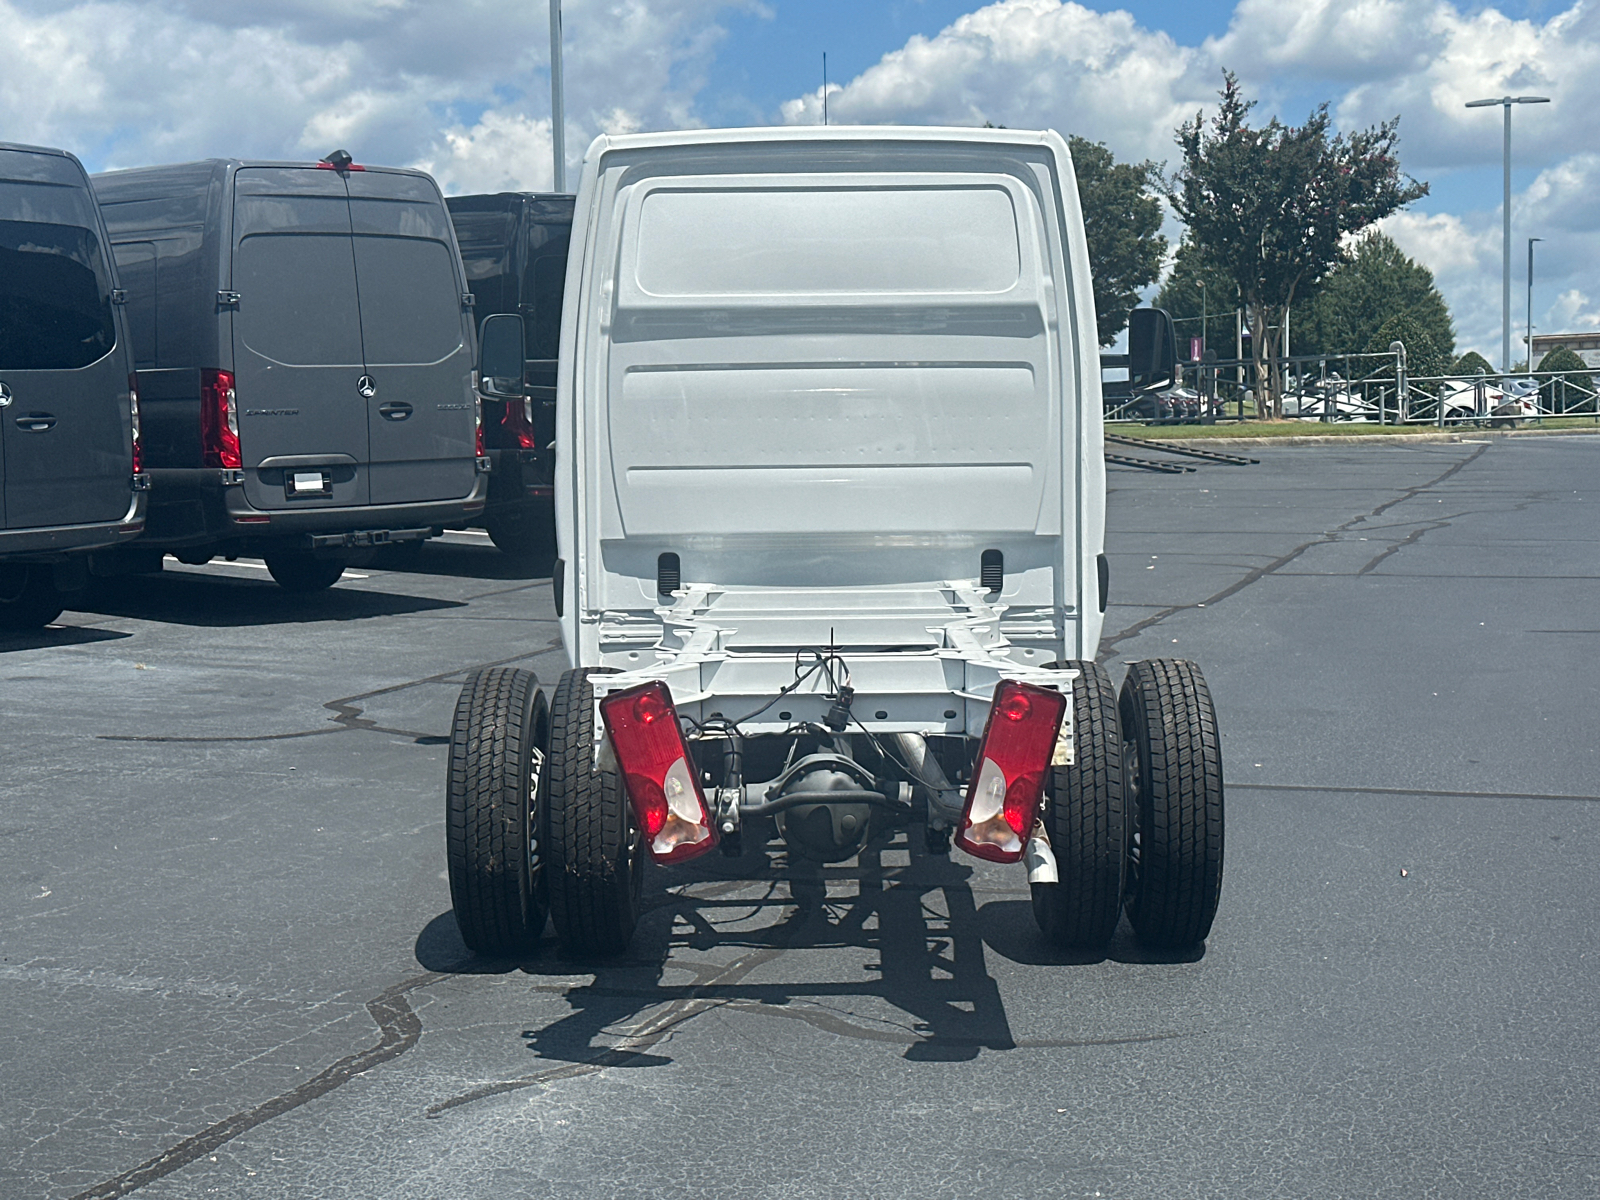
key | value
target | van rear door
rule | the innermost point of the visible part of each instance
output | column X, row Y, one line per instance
column 417, row 335
column 298, row 362
column 65, row 457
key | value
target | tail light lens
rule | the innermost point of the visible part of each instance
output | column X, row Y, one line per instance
column 659, row 772
column 1008, row 784
column 477, row 408
column 133, row 413
column 219, row 420
column 518, row 422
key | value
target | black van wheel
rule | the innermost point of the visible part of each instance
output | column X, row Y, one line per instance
column 521, row 532
column 1174, row 765
column 494, row 792
column 596, row 858
column 1086, row 820
column 297, row 571
column 28, row 596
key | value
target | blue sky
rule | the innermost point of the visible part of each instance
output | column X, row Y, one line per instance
column 461, row 87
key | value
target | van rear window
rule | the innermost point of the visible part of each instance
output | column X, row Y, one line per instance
column 871, row 240
column 410, row 299
column 55, row 297
column 298, row 298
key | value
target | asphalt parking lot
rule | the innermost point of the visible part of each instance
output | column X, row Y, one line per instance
column 228, row 965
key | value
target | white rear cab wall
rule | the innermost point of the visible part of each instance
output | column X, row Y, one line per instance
column 837, row 363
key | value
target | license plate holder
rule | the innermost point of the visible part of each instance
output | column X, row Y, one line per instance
column 298, row 485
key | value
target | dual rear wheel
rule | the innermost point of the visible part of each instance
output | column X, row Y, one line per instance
column 1136, row 821
column 533, row 828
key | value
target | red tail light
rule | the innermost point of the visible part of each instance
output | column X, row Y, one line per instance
column 659, row 772
column 477, row 408
column 518, row 422
column 1008, row 782
column 219, row 420
column 133, row 413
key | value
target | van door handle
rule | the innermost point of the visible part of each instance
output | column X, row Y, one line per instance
column 394, row 410
column 36, row 422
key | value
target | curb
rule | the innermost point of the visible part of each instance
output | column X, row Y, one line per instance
column 1371, row 439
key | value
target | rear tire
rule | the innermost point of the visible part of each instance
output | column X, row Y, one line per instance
column 521, row 532
column 28, row 596
column 1174, row 765
column 494, row 792
column 297, row 571
column 595, row 871
column 1086, row 818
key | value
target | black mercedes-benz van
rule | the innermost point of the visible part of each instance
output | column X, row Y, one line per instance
column 69, row 418
column 514, row 248
column 304, row 343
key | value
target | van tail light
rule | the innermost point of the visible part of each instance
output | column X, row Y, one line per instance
column 219, row 420
column 1008, row 782
column 518, row 422
column 658, row 772
column 133, row 414
column 477, row 433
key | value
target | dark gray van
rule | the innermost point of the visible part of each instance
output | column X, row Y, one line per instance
column 514, row 247
column 304, row 344
column 69, row 418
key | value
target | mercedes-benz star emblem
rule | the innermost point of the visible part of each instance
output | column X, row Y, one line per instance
column 366, row 387
column 5, row 396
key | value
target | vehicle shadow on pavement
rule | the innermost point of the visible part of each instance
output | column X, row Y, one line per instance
column 219, row 601
column 57, row 635
column 732, row 935
column 1008, row 930
column 457, row 561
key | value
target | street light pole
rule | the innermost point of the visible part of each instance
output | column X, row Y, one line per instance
column 558, row 116
column 1531, row 241
column 1505, row 251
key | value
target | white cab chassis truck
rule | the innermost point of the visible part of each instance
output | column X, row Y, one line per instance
column 830, row 500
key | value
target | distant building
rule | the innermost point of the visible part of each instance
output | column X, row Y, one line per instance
column 1585, row 345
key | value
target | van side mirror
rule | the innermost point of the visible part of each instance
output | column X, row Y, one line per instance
column 501, row 354
column 1152, row 346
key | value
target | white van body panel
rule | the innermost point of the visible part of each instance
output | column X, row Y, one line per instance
column 829, row 368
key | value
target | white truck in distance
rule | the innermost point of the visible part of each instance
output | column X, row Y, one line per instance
column 830, row 501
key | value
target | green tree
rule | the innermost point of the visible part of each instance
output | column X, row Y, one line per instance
column 1122, row 223
column 1358, row 295
column 1577, row 394
column 1273, row 206
column 1423, row 358
column 1471, row 363
column 1183, row 297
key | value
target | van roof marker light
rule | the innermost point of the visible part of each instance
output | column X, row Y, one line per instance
column 1008, row 782
column 339, row 160
column 658, row 772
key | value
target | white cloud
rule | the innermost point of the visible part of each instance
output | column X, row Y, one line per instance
column 503, row 152
column 1033, row 64
column 393, row 81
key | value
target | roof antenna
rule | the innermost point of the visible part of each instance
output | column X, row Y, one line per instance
column 339, row 160
column 824, row 87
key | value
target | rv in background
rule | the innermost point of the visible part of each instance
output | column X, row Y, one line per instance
column 69, row 418
column 304, row 346
column 514, row 248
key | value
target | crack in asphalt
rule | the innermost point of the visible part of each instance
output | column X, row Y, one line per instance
column 635, row 1044
column 1108, row 645
column 398, row 1029
column 347, row 712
